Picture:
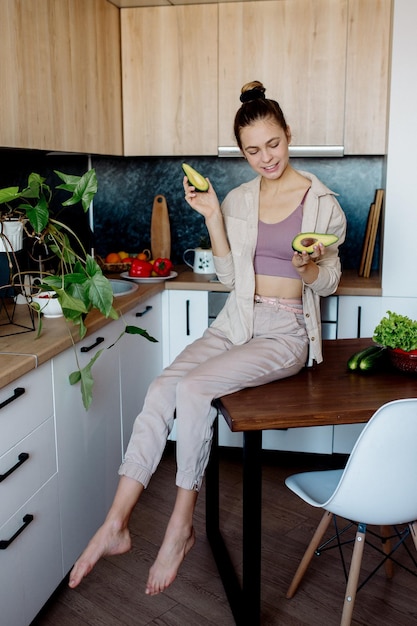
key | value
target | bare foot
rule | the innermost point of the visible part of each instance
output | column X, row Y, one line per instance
column 110, row 539
column 176, row 545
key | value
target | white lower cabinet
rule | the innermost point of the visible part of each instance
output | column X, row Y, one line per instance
column 185, row 319
column 30, row 532
column 59, row 462
column 88, row 442
column 358, row 316
column 345, row 436
column 140, row 361
column 315, row 439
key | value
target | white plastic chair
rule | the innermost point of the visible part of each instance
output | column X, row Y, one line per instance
column 378, row 486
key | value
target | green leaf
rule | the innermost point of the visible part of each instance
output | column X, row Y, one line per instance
column 100, row 293
column 85, row 376
column 37, row 215
column 83, row 188
column 70, row 303
column 69, row 299
column 75, row 377
column 8, row 194
column 91, row 266
column 75, row 278
column 35, row 186
column 135, row 330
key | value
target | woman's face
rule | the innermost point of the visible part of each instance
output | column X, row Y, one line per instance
column 265, row 146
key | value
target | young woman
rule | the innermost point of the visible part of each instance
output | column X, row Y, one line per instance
column 268, row 328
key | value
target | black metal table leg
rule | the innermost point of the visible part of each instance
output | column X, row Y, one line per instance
column 244, row 601
column 252, row 525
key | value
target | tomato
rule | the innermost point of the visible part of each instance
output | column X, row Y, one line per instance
column 140, row 269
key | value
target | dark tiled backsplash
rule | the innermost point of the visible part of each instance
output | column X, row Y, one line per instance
column 127, row 186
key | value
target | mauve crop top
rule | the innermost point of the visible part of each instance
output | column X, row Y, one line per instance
column 273, row 252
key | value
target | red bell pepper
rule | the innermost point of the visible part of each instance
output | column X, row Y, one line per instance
column 140, row 269
column 162, row 266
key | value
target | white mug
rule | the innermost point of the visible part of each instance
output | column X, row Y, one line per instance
column 202, row 262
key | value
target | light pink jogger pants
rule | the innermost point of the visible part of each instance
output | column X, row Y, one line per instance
column 209, row 368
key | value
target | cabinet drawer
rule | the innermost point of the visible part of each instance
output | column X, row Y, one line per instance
column 31, row 564
column 29, row 475
column 20, row 414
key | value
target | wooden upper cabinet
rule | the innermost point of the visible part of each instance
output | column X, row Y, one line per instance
column 367, row 76
column 60, row 76
column 297, row 49
column 169, row 76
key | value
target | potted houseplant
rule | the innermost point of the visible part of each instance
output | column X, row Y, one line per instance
column 76, row 280
column 398, row 333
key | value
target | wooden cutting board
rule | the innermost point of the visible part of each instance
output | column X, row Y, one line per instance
column 160, row 229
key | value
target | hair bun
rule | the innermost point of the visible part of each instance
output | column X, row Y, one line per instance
column 253, row 94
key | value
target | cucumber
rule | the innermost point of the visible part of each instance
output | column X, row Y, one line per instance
column 356, row 359
column 373, row 361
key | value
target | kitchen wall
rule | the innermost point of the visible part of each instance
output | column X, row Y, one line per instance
column 127, row 186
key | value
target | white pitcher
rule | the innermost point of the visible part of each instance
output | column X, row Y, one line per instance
column 202, row 262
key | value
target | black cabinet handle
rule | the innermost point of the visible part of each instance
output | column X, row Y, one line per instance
column 147, row 309
column 19, row 391
column 23, row 456
column 359, row 320
column 5, row 543
column 187, row 317
column 97, row 342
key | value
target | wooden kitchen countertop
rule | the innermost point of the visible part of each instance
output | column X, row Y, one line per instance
column 23, row 352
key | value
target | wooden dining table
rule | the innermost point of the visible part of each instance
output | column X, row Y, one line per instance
column 324, row 394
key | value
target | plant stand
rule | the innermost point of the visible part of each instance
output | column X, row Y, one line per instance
column 16, row 314
column 14, row 318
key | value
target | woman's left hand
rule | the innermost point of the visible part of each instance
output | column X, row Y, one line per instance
column 305, row 263
column 301, row 259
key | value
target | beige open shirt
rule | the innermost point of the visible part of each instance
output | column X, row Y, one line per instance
column 321, row 214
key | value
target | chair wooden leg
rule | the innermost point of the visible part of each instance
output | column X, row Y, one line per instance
column 386, row 548
column 413, row 531
column 352, row 584
column 309, row 553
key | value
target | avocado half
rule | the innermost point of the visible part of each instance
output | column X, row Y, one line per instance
column 195, row 178
column 305, row 242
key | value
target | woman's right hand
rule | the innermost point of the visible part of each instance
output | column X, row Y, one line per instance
column 207, row 204
column 204, row 202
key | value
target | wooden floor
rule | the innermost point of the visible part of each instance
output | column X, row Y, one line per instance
column 113, row 594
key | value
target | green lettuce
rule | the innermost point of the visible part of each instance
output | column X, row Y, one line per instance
column 396, row 331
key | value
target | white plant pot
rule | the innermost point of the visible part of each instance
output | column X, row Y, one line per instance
column 49, row 306
column 11, row 236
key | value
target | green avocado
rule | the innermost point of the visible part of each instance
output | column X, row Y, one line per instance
column 306, row 241
column 195, row 178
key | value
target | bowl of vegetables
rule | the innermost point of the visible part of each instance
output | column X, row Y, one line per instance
column 398, row 333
